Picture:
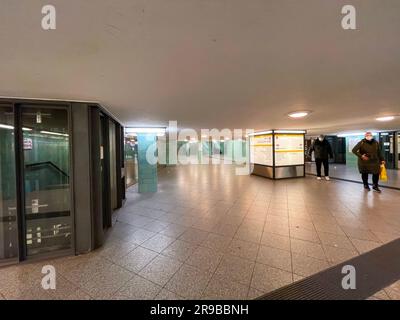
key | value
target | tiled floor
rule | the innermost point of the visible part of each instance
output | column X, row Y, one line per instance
column 210, row 234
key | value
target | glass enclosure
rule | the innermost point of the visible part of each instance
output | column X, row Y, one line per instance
column 8, row 204
column 46, row 164
column 44, row 211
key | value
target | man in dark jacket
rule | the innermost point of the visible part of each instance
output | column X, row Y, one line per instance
column 322, row 151
column 370, row 159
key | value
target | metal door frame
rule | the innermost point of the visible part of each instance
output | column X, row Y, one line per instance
column 18, row 107
column 5, row 262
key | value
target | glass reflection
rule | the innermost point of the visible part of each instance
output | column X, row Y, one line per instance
column 46, row 145
column 8, row 212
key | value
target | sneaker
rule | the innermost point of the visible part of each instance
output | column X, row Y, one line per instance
column 376, row 189
column 327, row 178
column 319, row 178
column 366, row 187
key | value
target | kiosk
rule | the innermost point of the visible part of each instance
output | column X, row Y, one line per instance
column 278, row 154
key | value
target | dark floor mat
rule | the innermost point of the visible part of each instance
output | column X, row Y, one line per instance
column 375, row 270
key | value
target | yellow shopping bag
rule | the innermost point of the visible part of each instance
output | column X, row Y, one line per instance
column 383, row 175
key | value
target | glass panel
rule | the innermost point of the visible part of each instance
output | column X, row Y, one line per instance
column 46, row 147
column 398, row 150
column 8, row 212
column 102, row 134
column 131, row 163
column 113, row 164
column 386, row 140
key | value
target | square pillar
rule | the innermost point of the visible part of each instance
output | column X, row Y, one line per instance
column 147, row 143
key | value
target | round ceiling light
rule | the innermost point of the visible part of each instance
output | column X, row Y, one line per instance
column 388, row 118
column 298, row 114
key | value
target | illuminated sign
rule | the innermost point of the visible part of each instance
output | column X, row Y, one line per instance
column 28, row 144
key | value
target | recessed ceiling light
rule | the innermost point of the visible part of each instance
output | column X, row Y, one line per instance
column 299, row 114
column 388, row 118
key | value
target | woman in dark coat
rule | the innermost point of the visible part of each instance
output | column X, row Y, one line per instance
column 370, row 159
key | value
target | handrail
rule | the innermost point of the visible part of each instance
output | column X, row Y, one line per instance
column 33, row 165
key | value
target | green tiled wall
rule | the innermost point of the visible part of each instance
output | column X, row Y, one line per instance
column 148, row 180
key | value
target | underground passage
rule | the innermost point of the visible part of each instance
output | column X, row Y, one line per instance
column 224, row 154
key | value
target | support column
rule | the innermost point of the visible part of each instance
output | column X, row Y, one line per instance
column 147, row 167
column 172, row 144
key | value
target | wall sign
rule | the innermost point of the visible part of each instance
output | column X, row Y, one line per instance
column 28, row 144
column 261, row 150
column 289, row 149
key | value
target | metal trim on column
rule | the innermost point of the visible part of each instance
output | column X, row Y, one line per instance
column 20, row 196
column 273, row 156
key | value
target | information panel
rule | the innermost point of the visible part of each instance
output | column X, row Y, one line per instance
column 289, row 149
column 261, row 150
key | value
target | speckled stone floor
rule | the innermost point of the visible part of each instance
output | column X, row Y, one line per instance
column 210, row 234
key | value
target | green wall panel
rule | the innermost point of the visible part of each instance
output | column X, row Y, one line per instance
column 47, row 163
column 148, row 180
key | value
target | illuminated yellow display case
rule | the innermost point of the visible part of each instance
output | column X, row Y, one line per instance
column 278, row 154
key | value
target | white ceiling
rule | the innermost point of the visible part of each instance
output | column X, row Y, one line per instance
column 210, row 63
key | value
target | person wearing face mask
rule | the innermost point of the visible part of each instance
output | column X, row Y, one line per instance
column 370, row 159
column 322, row 151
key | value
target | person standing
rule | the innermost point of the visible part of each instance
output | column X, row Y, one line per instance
column 322, row 152
column 370, row 158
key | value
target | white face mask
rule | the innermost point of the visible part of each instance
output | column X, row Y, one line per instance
column 321, row 139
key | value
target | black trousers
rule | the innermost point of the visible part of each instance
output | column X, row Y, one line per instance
column 319, row 163
column 375, row 179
